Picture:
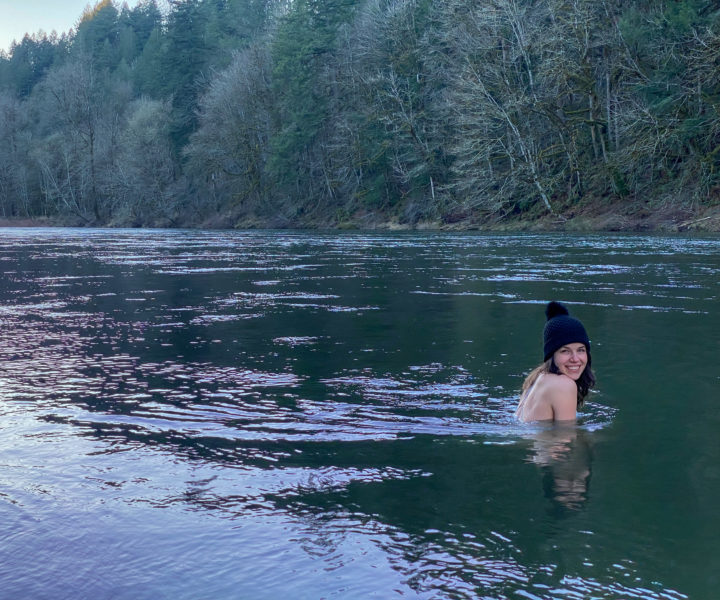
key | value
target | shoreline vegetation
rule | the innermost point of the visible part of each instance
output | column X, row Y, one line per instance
column 501, row 115
column 640, row 219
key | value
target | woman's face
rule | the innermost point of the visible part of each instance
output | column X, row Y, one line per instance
column 571, row 360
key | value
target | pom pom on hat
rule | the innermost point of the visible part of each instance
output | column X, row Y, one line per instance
column 561, row 329
column 555, row 309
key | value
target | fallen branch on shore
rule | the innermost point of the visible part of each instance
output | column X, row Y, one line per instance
column 695, row 221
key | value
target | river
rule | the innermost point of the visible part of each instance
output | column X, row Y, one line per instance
column 257, row 415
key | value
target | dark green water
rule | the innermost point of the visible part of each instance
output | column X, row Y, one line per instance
column 222, row 415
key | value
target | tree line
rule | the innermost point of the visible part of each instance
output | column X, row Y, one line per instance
column 355, row 112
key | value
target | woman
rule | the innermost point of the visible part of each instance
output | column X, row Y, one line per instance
column 557, row 388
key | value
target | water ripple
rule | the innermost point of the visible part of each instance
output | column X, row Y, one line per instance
column 344, row 402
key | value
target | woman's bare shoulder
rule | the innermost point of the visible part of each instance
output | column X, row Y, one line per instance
column 562, row 393
column 558, row 382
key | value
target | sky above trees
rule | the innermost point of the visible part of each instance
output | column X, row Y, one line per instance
column 30, row 16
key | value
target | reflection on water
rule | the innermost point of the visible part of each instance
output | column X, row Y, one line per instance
column 186, row 414
column 563, row 453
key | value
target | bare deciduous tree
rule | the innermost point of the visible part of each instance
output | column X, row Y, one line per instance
column 143, row 169
column 228, row 153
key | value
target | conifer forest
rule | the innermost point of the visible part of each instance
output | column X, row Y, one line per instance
column 358, row 113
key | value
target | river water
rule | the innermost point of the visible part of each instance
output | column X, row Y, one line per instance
column 234, row 415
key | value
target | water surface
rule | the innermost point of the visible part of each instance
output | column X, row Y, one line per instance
column 194, row 415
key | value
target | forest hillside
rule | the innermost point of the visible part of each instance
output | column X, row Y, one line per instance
column 367, row 113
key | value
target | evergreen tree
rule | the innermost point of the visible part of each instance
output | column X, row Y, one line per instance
column 98, row 35
column 301, row 48
column 183, row 60
column 29, row 62
column 148, row 66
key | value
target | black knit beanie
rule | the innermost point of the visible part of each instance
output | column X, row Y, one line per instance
column 562, row 329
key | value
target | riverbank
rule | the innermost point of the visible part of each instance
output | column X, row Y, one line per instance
column 596, row 217
column 28, row 222
column 601, row 214
column 628, row 217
